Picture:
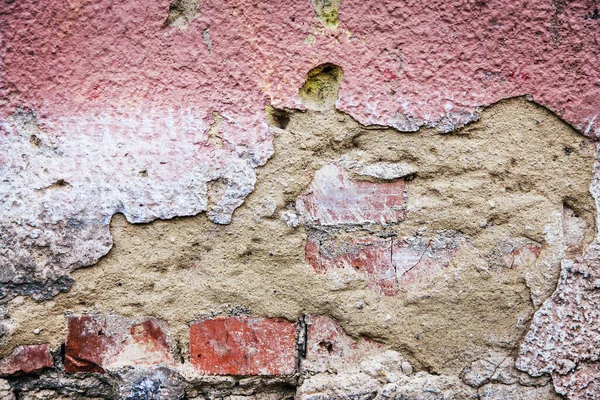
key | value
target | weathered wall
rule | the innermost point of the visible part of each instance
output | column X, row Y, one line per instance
column 326, row 199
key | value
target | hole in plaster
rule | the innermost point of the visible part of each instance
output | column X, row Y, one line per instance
column 327, row 11
column 327, row 346
column 182, row 13
column 35, row 141
column 321, row 88
column 281, row 118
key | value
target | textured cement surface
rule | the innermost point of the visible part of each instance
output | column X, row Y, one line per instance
column 189, row 268
column 176, row 149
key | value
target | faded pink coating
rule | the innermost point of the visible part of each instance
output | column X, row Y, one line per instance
column 405, row 64
column 333, row 198
column 582, row 383
column 387, row 265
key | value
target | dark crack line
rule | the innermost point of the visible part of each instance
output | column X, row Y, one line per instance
column 414, row 265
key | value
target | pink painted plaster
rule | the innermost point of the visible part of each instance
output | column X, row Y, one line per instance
column 405, row 64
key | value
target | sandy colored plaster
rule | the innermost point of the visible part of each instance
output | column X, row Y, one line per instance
column 502, row 182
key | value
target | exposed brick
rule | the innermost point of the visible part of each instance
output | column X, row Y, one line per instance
column 27, row 359
column 98, row 343
column 86, row 344
column 329, row 348
column 243, row 346
column 369, row 257
column 387, row 265
column 333, row 198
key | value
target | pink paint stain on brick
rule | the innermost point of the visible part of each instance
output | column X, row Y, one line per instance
column 417, row 263
column 26, row 360
column 333, row 198
column 522, row 257
column 387, row 265
column 371, row 258
column 98, row 343
column 328, row 347
column 243, row 346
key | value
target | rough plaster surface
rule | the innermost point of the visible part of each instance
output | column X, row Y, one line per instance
column 110, row 105
column 198, row 267
column 120, row 113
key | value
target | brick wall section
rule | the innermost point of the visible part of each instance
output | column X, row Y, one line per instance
column 96, row 343
column 220, row 346
column 243, row 346
column 27, row 359
column 235, row 346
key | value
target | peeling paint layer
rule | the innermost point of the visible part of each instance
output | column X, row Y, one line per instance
column 107, row 108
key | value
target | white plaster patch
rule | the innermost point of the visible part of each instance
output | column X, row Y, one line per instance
column 59, row 191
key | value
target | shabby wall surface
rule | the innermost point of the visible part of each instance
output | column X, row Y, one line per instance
column 308, row 199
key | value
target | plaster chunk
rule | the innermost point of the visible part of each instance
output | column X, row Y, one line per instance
column 387, row 171
column 563, row 337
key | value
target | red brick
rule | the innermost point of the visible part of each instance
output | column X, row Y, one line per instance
column 385, row 266
column 369, row 257
column 26, row 360
column 98, row 343
column 328, row 347
column 243, row 346
column 333, row 198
